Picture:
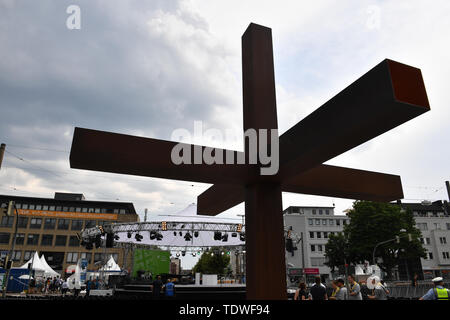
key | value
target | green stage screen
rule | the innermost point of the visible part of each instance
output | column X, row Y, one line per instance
column 154, row 261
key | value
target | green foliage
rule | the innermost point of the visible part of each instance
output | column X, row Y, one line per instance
column 370, row 224
column 216, row 264
column 336, row 251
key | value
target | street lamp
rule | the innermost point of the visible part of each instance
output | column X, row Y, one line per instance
column 397, row 238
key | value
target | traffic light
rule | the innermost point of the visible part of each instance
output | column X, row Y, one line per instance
column 109, row 240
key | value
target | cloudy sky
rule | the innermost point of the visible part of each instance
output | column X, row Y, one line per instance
column 149, row 67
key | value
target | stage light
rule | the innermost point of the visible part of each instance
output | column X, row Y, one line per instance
column 129, row 235
column 183, row 253
column 152, row 235
column 196, row 234
column 242, row 236
column 174, row 233
column 116, row 237
column 164, row 226
column 180, row 233
column 193, row 254
column 178, row 254
column 234, row 234
column 239, row 227
column 218, row 235
column 187, row 236
column 225, row 237
column 138, row 237
column 159, row 236
column 222, row 253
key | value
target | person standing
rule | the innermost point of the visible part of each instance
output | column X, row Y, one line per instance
column 335, row 290
column 342, row 294
column 438, row 292
column 169, row 289
column 364, row 290
column 355, row 289
column 156, row 287
column 318, row 290
column 301, row 293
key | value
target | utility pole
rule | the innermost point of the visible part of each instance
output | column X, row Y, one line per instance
column 145, row 215
column 2, row 152
column 5, row 282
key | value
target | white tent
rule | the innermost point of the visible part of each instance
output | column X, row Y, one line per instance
column 48, row 271
column 111, row 265
column 36, row 263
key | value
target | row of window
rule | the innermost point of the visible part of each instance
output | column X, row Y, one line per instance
column 50, row 223
column 71, row 257
column 423, row 226
column 319, row 247
column 429, row 214
column 314, row 211
column 325, row 222
column 445, row 255
column 320, row 234
column 46, row 240
column 26, row 206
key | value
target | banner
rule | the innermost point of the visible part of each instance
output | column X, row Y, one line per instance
column 72, row 215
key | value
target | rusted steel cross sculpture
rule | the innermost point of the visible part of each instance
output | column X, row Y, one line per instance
column 385, row 97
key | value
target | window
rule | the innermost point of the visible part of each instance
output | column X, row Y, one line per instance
column 331, row 222
column 72, row 257
column 25, row 206
column 84, row 210
column 430, row 255
column 327, row 212
column 98, row 257
column 319, row 235
column 317, row 222
column 22, row 222
column 422, row 241
column 320, row 212
column 73, row 241
column 16, row 255
column 45, row 208
column 47, row 240
column 60, row 241
column 437, row 226
column 344, row 222
column 311, row 222
column 33, row 239
column 91, row 210
column 65, row 209
column 32, row 206
column 428, row 240
column 116, row 210
column 35, row 223
column 104, row 210
column 78, row 209
column 422, row 226
column 27, row 255
column 325, row 235
column 319, row 247
column 20, row 239
column 77, row 224
column 50, row 224
column 87, row 256
column 52, row 208
column 313, row 248
column 63, row 224
column 443, row 240
column 4, row 238
column 58, row 208
column 324, row 222
column 311, row 234
column 317, row 262
column 445, row 255
column 97, row 210
column 338, row 222
column 38, row 207
column 7, row 221
column 448, row 226
column 72, row 209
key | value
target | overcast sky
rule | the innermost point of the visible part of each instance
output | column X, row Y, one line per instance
column 149, row 67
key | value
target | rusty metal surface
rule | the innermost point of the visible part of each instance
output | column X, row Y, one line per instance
column 325, row 180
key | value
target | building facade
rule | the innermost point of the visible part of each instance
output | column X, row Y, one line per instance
column 50, row 226
column 314, row 225
column 433, row 220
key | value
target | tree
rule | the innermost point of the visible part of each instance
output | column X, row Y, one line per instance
column 212, row 264
column 336, row 251
column 374, row 222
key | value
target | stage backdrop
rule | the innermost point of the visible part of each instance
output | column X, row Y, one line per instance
column 154, row 261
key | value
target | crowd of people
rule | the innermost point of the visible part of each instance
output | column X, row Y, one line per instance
column 360, row 291
column 47, row 286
